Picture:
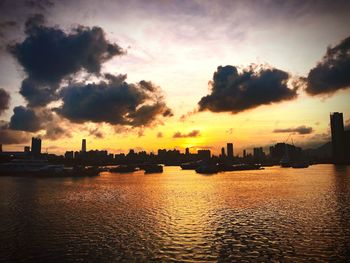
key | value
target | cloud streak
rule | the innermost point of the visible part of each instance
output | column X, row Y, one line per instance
column 300, row 130
column 192, row 134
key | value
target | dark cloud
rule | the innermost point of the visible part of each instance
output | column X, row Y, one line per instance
column 96, row 133
column 4, row 100
column 38, row 93
column 300, row 130
column 48, row 55
column 25, row 119
column 234, row 92
column 55, row 132
column 113, row 101
column 194, row 133
column 8, row 136
column 333, row 72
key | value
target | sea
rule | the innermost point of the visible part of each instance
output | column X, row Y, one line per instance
column 271, row 215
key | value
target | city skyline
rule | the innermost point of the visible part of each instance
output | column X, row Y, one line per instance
column 181, row 72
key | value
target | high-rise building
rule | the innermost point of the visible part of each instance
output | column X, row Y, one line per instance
column 230, row 150
column 338, row 137
column 187, row 151
column 83, row 145
column 223, row 152
column 36, row 146
column 0, row 148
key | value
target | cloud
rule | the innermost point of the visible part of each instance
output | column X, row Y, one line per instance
column 159, row 135
column 8, row 136
column 41, row 5
column 55, row 132
column 38, row 93
column 37, row 119
column 233, row 91
column 113, row 101
column 96, row 133
column 48, row 55
column 25, row 119
column 194, row 133
column 6, row 25
column 4, row 100
column 332, row 73
column 300, row 130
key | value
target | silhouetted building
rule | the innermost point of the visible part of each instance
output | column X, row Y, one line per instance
column 230, row 150
column 203, row 154
column 0, row 148
column 279, row 150
column 244, row 153
column 26, row 149
column 187, row 151
column 338, row 137
column 83, row 145
column 223, row 152
column 69, row 155
column 258, row 154
column 36, row 146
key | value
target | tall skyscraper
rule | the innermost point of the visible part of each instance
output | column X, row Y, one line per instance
column 36, row 146
column 83, row 146
column 187, row 151
column 230, row 150
column 223, row 152
column 338, row 137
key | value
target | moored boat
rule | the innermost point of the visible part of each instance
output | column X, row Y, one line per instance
column 123, row 169
column 152, row 168
column 207, row 168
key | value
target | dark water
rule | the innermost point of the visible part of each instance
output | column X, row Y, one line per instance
column 274, row 215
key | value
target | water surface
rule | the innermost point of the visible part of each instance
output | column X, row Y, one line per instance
column 276, row 214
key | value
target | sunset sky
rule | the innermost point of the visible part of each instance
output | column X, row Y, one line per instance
column 172, row 74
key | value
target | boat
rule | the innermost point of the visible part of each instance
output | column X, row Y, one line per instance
column 190, row 165
column 207, row 168
column 123, row 169
column 152, row 168
column 241, row 167
column 300, row 164
column 42, row 168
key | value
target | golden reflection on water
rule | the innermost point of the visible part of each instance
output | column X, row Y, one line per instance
column 268, row 215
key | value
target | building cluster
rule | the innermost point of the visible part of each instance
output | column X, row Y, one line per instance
column 340, row 152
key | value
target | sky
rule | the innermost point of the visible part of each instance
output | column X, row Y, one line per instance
column 168, row 74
